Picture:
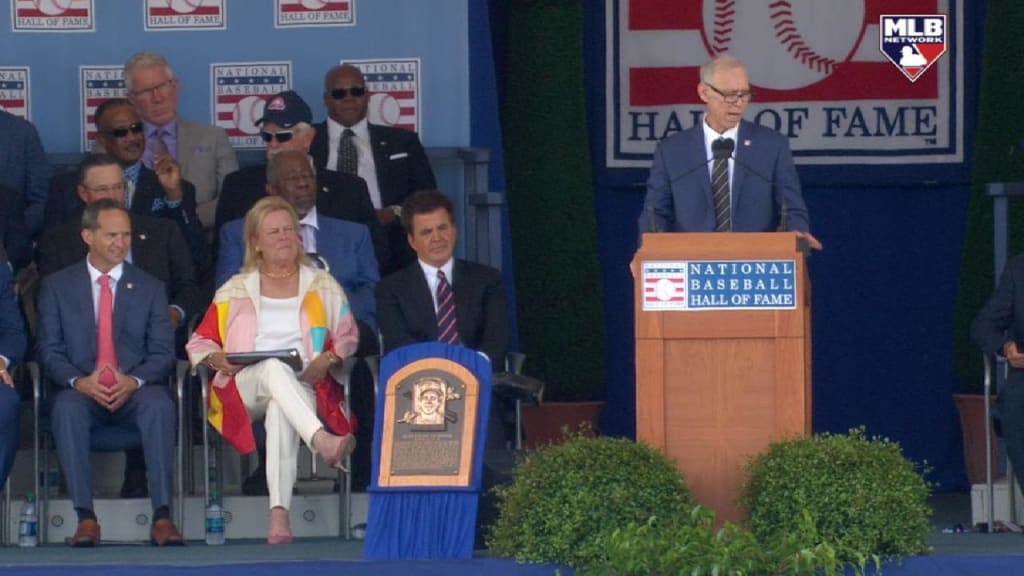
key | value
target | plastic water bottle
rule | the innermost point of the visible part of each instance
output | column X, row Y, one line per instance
column 214, row 521
column 28, row 525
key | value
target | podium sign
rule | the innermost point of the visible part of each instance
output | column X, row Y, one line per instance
column 722, row 353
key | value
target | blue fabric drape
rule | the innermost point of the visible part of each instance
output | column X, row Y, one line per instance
column 428, row 522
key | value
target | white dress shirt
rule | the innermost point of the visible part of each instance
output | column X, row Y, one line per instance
column 367, row 168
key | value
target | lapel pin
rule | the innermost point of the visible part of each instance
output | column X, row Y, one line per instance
column 128, row 286
column 746, row 142
column 142, row 236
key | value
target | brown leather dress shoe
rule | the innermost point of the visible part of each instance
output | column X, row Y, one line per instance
column 163, row 533
column 87, row 534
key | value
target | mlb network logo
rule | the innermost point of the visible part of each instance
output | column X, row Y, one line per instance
column 240, row 91
column 14, row 98
column 52, row 16
column 185, row 15
column 296, row 13
column 98, row 83
column 912, row 42
column 394, row 87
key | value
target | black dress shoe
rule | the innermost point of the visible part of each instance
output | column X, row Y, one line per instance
column 135, row 484
column 256, row 483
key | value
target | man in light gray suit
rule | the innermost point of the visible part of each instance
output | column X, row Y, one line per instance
column 204, row 152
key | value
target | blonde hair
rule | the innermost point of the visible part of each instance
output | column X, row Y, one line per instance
column 254, row 221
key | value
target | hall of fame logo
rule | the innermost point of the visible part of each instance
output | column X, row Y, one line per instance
column 815, row 68
column 97, row 83
column 186, row 15
column 296, row 13
column 52, row 16
column 912, row 43
column 240, row 91
column 14, row 91
column 394, row 87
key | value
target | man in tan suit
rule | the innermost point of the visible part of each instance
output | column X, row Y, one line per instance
column 204, row 152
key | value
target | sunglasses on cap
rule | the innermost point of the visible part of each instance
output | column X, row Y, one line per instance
column 135, row 128
column 281, row 137
column 341, row 93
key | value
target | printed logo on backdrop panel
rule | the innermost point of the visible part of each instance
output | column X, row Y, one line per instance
column 394, row 87
column 52, row 16
column 240, row 91
column 912, row 43
column 186, row 15
column 14, row 93
column 98, row 83
column 815, row 68
column 296, row 13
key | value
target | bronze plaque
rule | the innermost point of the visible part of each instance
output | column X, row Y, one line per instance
column 430, row 413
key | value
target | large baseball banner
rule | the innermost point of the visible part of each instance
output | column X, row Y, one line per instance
column 816, row 67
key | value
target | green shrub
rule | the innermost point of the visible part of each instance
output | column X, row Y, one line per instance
column 564, row 499
column 655, row 548
column 862, row 494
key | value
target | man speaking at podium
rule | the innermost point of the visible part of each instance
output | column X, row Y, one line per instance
column 726, row 174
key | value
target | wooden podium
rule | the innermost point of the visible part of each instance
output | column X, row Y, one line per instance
column 723, row 353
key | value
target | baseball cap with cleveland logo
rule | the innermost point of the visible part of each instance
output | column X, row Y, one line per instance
column 286, row 109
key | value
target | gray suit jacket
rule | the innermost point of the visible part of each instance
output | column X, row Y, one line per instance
column 206, row 157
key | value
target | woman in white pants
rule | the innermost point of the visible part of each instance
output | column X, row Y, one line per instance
column 278, row 302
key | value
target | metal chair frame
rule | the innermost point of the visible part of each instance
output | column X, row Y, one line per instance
column 343, row 375
column 41, row 450
column 1010, row 477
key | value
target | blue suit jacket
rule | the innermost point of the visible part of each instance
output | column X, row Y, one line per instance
column 12, row 328
column 24, row 166
column 764, row 181
column 67, row 325
column 347, row 248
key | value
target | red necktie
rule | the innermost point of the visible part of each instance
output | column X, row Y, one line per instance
column 447, row 331
column 106, row 355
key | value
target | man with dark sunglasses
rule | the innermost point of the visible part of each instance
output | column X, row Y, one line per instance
column 391, row 160
column 161, row 192
column 286, row 125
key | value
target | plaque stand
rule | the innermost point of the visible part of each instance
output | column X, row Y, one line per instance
column 429, row 437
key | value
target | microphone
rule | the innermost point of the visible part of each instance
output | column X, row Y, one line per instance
column 718, row 149
column 722, row 148
column 784, row 208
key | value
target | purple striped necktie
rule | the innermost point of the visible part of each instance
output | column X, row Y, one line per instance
column 447, row 329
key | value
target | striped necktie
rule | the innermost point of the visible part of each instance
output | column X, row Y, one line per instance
column 720, row 191
column 447, row 330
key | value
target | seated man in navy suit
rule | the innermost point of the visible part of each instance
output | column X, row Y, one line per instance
column 106, row 346
column 12, row 347
column 160, row 192
column 345, row 250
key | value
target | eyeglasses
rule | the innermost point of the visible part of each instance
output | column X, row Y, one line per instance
column 281, row 137
column 733, row 97
column 135, row 128
column 119, row 187
column 341, row 93
column 162, row 88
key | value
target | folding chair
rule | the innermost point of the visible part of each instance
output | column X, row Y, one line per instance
column 989, row 482
column 343, row 375
column 110, row 438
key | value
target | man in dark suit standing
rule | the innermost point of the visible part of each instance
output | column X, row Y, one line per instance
column 412, row 303
column 106, row 345
column 697, row 182
column 12, row 348
column 285, row 125
column 391, row 160
column 161, row 192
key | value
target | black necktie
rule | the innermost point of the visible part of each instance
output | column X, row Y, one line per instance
column 348, row 156
column 447, row 331
column 720, row 190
